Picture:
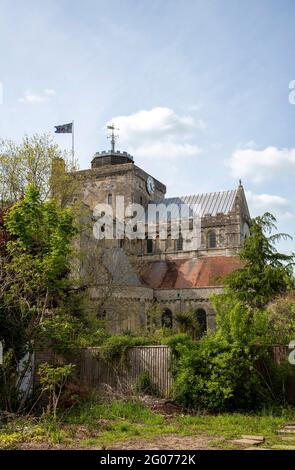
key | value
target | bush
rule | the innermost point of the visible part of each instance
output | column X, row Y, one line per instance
column 232, row 368
column 63, row 331
column 226, row 370
column 115, row 348
column 215, row 375
column 53, row 380
column 188, row 323
column 66, row 333
column 281, row 320
column 145, row 385
column 175, row 342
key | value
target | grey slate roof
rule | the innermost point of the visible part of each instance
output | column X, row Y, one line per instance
column 117, row 263
column 206, row 203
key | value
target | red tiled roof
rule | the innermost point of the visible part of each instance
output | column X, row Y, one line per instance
column 183, row 273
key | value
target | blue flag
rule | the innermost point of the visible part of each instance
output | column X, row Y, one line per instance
column 64, row 129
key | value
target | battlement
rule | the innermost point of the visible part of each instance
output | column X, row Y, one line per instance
column 110, row 158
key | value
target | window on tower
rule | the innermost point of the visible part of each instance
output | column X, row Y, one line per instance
column 149, row 246
column 179, row 243
column 212, row 243
column 166, row 319
column 201, row 317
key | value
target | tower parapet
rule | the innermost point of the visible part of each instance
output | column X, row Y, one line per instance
column 110, row 158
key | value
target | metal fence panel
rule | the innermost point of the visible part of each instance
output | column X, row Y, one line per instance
column 155, row 360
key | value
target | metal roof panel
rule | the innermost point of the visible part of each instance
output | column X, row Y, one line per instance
column 205, row 203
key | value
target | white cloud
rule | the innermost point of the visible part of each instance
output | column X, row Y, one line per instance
column 288, row 215
column 32, row 98
column 262, row 165
column 49, row 92
column 166, row 150
column 158, row 132
column 277, row 205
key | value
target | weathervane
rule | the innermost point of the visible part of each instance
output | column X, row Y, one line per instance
column 112, row 136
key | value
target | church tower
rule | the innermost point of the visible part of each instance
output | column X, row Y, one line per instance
column 114, row 173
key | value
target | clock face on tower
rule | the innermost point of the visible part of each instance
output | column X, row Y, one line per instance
column 150, row 185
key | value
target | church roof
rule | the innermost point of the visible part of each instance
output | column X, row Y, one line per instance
column 189, row 273
column 221, row 202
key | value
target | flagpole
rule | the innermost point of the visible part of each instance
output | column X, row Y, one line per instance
column 73, row 144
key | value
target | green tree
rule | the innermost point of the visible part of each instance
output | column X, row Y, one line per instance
column 41, row 233
column 37, row 161
column 265, row 272
column 188, row 323
column 53, row 380
column 34, row 281
column 280, row 316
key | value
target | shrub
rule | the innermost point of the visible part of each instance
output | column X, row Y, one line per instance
column 232, row 368
column 217, row 376
column 226, row 370
column 178, row 340
column 115, row 348
column 188, row 323
column 67, row 333
column 145, row 385
column 281, row 320
column 53, row 380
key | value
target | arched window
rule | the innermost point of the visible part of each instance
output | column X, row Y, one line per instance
column 101, row 314
column 149, row 246
column 169, row 243
column 179, row 243
column 110, row 199
column 245, row 232
column 202, row 321
column 166, row 318
column 212, row 239
column 158, row 244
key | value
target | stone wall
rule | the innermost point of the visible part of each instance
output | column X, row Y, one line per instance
column 119, row 180
column 183, row 300
column 126, row 309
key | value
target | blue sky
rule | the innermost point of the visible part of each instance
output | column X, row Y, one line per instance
column 199, row 89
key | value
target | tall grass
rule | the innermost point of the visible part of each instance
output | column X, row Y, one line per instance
column 132, row 411
column 231, row 425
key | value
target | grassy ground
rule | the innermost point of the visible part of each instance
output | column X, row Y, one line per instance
column 127, row 424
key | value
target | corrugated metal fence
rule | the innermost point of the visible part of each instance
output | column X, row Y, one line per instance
column 94, row 373
column 152, row 360
column 280, row 353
